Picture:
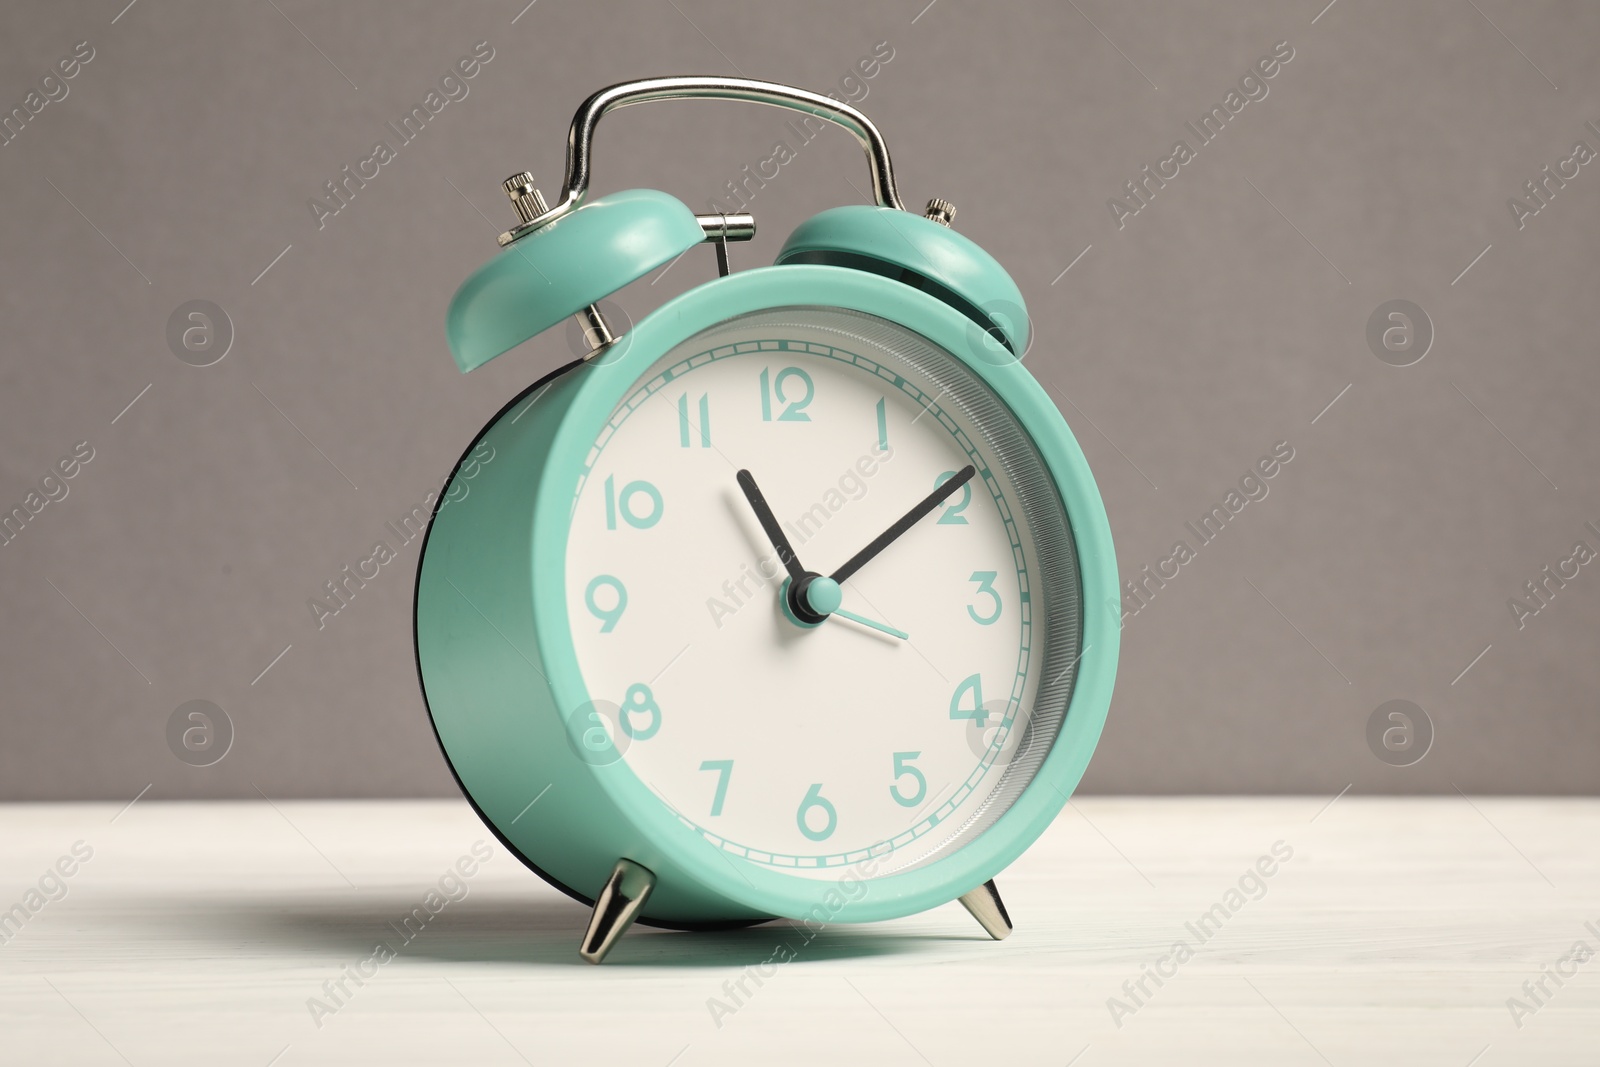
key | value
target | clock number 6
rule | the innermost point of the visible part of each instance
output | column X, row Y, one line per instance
column 902, row 767
column 623, row 502
column 815, row 799
column 639, row 700
column 772, row 389
column 608, row 616
column 985, row 580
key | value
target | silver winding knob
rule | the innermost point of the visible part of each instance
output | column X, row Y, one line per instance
column 527, row 199
column 940, row 211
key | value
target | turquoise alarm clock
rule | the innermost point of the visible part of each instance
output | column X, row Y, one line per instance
column 794, row 600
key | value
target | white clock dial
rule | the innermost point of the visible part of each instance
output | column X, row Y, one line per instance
column 805, row 748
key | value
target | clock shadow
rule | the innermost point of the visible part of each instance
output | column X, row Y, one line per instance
column 539, row 932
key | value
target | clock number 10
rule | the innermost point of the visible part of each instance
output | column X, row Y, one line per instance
column 772, row 390
column 627, row 503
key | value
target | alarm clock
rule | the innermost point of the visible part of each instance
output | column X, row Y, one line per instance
column 794, row 600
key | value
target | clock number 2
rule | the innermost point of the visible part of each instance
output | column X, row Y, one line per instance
column 985, row 580
column 772, row 389
column 902, row 767
column 724, row 769
column 972, row 686
column 624, row 502
column 608, row 616
column 951, row 516
column 640, row 701
column 815, row 799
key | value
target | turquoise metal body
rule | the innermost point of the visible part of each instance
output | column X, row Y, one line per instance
column 501, row 679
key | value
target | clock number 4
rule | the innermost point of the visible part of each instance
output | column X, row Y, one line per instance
column 703, row 430
column 627, row 503
column 772, row 391
column 951, row 516
column 608, row 616
column 724, row 769
column 985, row 580
column 902, row 767
column 971, row 686
column 814, row 799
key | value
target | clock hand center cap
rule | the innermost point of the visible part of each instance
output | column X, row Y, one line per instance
column 823, row 595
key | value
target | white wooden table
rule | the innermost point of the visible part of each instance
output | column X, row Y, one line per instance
column 1396, row 932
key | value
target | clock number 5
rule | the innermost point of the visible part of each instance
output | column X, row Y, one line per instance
column 985, row 580
column 902, row 767
column 815, row 799
column 624, row 502
column 953, row 508
column 724, row 769
column 772, row 389
column 972, row 686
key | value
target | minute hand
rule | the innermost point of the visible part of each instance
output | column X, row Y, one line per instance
column 906, row 521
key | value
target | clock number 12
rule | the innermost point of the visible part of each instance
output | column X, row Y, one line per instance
column 772, row 390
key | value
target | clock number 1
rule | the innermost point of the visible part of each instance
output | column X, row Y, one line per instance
column 902, row 767
column 724, row 769
column 772, row 389
column 815, row 799
column 883, row 424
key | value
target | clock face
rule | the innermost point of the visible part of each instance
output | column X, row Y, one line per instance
column 908, row 720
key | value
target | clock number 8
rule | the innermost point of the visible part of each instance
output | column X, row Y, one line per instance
column 815, row 799
column 639, row 700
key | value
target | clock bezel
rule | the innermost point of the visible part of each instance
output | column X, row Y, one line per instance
column 611, row 378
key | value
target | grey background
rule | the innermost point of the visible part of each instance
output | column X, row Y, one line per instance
column 1221, row 320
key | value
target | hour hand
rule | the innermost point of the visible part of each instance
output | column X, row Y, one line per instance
column 769, row 523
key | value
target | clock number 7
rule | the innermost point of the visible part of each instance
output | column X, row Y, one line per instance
column 724, row 769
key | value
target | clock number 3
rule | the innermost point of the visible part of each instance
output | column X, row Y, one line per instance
column 902, row 767
column 985, row 580
column 640, row 701
column 772, row 390
column 815, row 799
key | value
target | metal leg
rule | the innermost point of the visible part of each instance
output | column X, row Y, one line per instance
column 986, row 906
column 617, row 905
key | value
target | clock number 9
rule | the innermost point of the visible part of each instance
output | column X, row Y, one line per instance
column 985, row 580
column 639, row 700
column 772, row 388
column 902, row 767
column 608, row 616
column 815, row 799
column 971, row 685
column 952, row 511
column 623, row 502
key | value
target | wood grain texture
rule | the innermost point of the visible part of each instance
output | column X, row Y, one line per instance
column 1395, row 933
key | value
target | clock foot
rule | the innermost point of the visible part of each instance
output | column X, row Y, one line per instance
column 616, row 907
column 986, row 906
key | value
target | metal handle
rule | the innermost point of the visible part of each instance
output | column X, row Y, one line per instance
column 580, row 140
